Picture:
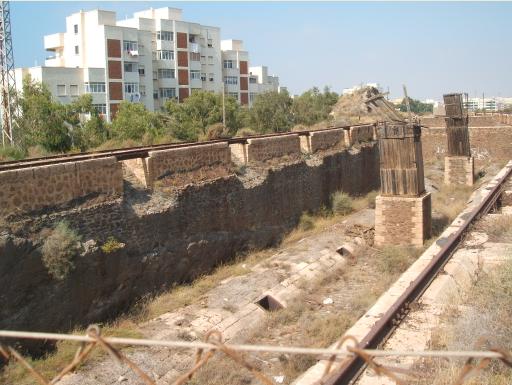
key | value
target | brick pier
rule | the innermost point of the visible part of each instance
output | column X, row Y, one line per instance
column 403, row 211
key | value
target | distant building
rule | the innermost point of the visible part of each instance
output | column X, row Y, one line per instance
column 488, row 104
column 149, row 58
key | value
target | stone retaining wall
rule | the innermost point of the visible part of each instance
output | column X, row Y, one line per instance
column 170, row 237
column 165, row 163
column 359, row 134
column 488, row 144
column 322, row 140
column 35, row 188
column 474, row 121
column 261, row 149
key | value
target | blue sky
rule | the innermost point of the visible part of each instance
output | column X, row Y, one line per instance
column 433, row 48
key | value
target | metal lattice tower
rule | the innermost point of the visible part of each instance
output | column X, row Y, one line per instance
column 7, row 76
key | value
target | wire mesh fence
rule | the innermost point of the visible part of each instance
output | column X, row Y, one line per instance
column 213, row 344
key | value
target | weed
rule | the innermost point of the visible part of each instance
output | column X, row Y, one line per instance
column 396, row 259
column 11, row 153
column 58, row 250
column 306, row 222
column 342, row 203
column 111, row 245
column 499, row 228
column 487, row 313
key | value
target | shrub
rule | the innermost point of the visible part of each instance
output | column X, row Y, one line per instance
column 11, row 153
column 342, row 203
column 111, row 245
column 59, row 249
column 306, row 222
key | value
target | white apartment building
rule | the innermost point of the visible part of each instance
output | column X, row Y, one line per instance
column 473, row 104
column 241, row 81
column 149, row 58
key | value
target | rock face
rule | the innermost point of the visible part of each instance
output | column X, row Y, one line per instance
column 168, row 237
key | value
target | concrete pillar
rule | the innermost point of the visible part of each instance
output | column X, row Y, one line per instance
column 459, row 164
column 403, row 211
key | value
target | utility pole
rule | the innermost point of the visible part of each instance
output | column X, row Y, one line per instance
column 8, row 91
column 224, row 105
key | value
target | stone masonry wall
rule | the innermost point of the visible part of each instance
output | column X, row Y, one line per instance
column 322, row 140
column 178, row 160
column 170, row 237
column 261, row 149
column 488, row 144
column 35, row 188
column 474, row 121
column 358, row 134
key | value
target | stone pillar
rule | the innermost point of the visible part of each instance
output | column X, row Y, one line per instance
column 459, row 164
column 403, row 211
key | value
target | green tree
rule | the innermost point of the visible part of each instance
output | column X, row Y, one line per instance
column 416, row 106
column 272, row 112
column 191, row 119
column 133, row 121
column 90, row 133
column 42, row 120
column 313, row 106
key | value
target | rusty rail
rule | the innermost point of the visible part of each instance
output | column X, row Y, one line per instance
column 143, row 151
column 382, row 329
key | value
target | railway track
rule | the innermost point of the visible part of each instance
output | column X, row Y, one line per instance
column 141, row 151
column 350, row 370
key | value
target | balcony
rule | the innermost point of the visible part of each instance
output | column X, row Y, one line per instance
column 54, row 42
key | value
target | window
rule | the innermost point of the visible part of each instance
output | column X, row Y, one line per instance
column 210, row 43
column 94, row 87
column 203, row 59
column 155, row 95
column 253, row 79
column 194, row 74
column 130, row 46
column 77, row 51
column 167, row 93
column 142, row 90
column 75, row 29
column 130, row 66
column 210, row 59
column 165, row 55
column 203, row 76
column 229, row 63
column 165, row 35
column 142, row 70
column 252, row 96
column 100, row 108
column 155, row 75
column 131, row 88
column 73, row 90
column 166, row 73
column 61, row 90
column 210, row 77
column 230, row 79
column 234, row 95
column 195, row 56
